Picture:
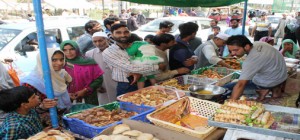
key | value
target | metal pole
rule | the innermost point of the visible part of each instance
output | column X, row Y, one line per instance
column 44, row 58
column 245, row 16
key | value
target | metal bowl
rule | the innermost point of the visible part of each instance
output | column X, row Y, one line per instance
column 216, row 90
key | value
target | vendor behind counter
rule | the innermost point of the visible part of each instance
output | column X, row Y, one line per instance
column 264, row 68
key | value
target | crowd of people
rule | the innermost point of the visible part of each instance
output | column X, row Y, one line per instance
column 102, row 65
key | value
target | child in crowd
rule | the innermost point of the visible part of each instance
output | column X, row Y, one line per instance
column 148, row 38
column 216, row 30
column 143, row 53
column 22, row 120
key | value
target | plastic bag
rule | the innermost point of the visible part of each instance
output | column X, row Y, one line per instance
column 80, row 106
column 13, row 74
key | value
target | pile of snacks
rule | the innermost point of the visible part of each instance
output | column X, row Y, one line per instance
column 174, row 83
column 211, row 74
column 234, row 63
column 244, row 112
column 180, row 114
column 52, row 135
column 101, row 117
column 123, row 132
column 150, row 97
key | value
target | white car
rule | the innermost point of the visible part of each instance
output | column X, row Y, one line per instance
column 153, row 26
column 14, row 39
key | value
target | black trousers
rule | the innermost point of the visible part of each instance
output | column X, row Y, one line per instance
column 260, row 34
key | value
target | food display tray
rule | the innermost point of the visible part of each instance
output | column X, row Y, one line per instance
column 273, row 109
column 167, row 90
column 191, row 80
column 203, row 107
column 227, row 73
column 82, row 128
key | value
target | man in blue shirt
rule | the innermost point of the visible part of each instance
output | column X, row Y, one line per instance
column 85, row 42
column 235, row 29
column 180, row 55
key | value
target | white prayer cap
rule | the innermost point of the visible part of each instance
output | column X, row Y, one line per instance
column 223, row 36
column 100, row 34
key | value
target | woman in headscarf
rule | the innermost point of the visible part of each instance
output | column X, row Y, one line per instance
column 290, row 31
column 86, row 74
column 60, row 78
column 269, row 40
column 289, row 48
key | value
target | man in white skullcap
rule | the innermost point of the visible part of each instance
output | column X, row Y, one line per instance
column 108, row 92
column 208, row 53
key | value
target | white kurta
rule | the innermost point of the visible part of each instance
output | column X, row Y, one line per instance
column 108, row 83
column 280, row 31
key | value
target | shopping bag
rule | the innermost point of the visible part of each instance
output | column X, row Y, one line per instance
column 13, row 74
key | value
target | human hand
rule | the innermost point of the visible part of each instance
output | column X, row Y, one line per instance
column 80, row 94
column 136, row 77
column 183, row 70
column 162, row 66
column 189, row 62
column 49, row 103
column 288, row 47
column 101, row 90
column 72, row 96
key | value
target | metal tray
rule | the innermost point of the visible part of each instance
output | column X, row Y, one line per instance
column 264, row 131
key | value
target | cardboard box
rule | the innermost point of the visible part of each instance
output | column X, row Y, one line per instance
column 161, row 133
column 292, row 86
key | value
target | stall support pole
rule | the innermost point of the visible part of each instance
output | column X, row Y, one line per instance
column 44, row 58
column 245, row 16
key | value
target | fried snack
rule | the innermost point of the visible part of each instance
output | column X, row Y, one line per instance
column 235, row 64
column 231, row 110
column 174, row 83
column 145, row 136
column 231, row 116
column 52, row 135
column 193, row 121
column 120, row 129
column 244, row 112
column 132, row 133
column 125, row 133
column 150, row 97
column 100, row 117
column 173, row 113
column 211, row 74
column 242, row 104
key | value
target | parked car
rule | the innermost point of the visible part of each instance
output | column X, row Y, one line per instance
column 153, row 26
column 274, row 23
column 17, row 40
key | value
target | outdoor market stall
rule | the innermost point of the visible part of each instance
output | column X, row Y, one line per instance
column 169, row 106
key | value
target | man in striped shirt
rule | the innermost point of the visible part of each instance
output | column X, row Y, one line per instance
column 118, row 61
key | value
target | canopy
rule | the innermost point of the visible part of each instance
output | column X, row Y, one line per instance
column 188, row 3
column 70, row 4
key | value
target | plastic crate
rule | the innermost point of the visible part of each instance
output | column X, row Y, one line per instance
column 202, row 107
column 191, row 80
column 80, row 127
column 227, row 73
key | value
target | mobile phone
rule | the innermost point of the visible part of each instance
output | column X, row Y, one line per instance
column 130, row 79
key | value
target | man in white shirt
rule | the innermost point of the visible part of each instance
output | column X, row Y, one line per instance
column 118, row 60
column 208, row 53
column 261, row 29
column 264, row 68
column 107, row 93
column 280, row 29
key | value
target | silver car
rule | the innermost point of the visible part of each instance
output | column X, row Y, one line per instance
column 15, row 40
column 153, row 26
